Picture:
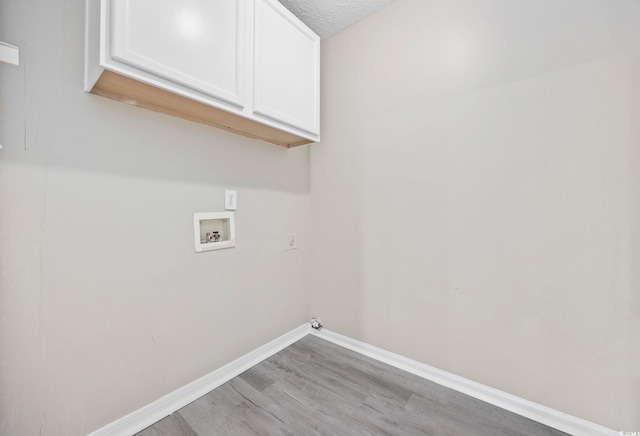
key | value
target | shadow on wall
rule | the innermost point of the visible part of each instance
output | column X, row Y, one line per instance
column 95, row 134
column 634, row 164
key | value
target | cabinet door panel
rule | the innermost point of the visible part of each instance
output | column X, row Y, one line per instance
column 199, row 44
column 286, row 68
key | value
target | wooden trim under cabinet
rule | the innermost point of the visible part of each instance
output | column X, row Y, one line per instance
column 121, row 88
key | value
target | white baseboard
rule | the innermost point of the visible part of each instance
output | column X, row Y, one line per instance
column 165, row 406
column 542, row 414
column 154, row 412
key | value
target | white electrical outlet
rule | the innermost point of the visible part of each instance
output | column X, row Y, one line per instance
column 230, row 200
column 291, row 242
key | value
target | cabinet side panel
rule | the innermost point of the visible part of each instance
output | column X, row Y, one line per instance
column 92, row 67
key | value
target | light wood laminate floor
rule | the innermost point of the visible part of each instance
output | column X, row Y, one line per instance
column 315, row 387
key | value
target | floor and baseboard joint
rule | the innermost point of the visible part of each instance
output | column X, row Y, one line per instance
column 165, row 406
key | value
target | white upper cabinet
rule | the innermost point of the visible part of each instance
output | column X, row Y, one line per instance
column 286, row 68
column 247, row 66
column 197, row 43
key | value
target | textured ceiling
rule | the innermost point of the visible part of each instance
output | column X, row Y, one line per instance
column 328, row 17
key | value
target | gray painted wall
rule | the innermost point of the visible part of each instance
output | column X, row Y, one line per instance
column 475, row 201
column 104, row 305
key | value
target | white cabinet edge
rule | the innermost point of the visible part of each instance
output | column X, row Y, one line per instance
column 275, row 4
column 9, row 54
column 92, row 64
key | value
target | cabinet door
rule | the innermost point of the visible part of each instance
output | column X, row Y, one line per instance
column 286, row 68
column 198, row 44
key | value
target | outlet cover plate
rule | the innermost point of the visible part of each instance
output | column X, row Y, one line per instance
column 230, row 200
column 291, row 242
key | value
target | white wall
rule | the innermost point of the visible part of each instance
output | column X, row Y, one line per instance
column 104, row 305
column 475, row 201
column 475, row 205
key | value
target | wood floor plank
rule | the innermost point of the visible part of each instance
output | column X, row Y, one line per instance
column 314, row 387
column 335, row 416
column 257, row 378
column 227, row 411
column 350, row 382
column 172, row 425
